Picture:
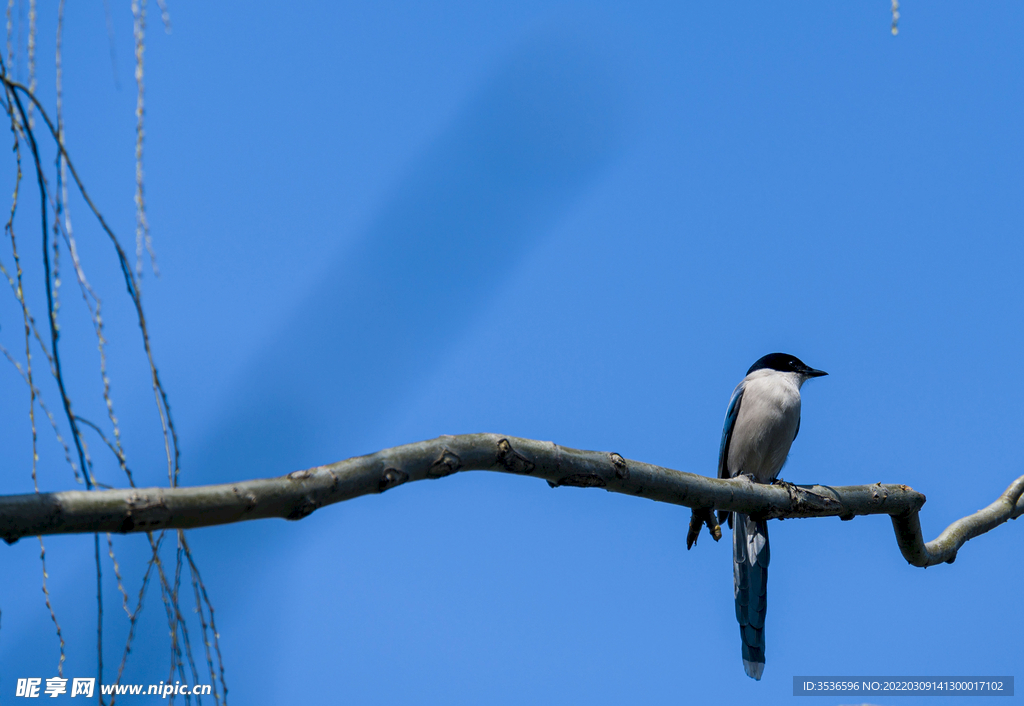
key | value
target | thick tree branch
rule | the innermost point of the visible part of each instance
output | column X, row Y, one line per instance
column 297, row 494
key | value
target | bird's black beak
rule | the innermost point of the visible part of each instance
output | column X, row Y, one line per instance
column 812, row 373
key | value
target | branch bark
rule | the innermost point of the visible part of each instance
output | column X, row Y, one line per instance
column 298, row 494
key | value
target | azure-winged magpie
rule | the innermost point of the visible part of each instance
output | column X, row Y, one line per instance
column 760, row 426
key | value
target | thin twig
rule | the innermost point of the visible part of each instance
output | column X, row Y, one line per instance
column 200, row 589
column 49, row 607
column 54, row 330
column 170, row 434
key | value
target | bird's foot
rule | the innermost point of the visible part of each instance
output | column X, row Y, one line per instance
column 698, row 518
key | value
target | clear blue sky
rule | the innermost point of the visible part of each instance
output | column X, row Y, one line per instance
column 568, row 221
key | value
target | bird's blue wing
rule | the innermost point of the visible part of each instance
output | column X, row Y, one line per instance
column 730, row 422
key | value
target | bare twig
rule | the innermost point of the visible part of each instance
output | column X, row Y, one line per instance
column 1008, row 506
column 163, row 404
column 15, row 101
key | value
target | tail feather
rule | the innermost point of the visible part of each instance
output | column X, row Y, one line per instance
column 750, row 556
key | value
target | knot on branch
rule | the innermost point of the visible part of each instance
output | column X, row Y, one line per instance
column 391, row 478
column 249, row 498
column 621, row 469
column 512, row 460
column 446, row 464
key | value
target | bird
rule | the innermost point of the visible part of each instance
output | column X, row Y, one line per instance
column 762, row 421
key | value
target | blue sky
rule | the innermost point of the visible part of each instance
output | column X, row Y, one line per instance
column 569, row 221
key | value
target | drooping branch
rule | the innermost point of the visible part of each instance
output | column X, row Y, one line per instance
column 298, row 494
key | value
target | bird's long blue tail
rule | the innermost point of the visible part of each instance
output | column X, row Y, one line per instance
column 750, row 557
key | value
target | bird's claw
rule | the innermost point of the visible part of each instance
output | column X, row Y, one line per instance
column 698, row 518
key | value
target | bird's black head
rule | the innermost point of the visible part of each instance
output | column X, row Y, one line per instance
column 785, row 363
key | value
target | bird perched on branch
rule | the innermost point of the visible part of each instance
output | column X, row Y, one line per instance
column 760, row 426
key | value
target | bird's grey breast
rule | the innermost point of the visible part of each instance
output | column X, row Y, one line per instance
column 766, row 425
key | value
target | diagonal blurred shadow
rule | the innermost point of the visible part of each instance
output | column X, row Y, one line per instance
column 457, row 225
column 524, row 147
